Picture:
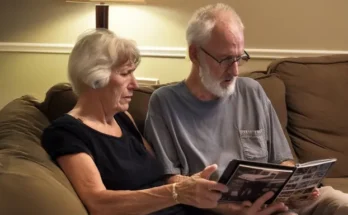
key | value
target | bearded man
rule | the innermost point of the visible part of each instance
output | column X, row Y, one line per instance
column 214, row 116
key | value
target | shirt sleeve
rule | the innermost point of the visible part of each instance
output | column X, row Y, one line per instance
column 157, row 134
column 58, row 142
column 278, row 146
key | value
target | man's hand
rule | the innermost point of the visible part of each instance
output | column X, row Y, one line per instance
column 247, row 208
column 299, row 204
column 288, row 163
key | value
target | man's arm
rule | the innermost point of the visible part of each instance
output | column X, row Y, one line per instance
column 157, row 133
column 288, row 163
column 278, row 147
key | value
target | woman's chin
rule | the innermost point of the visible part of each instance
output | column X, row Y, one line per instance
column 122, row 107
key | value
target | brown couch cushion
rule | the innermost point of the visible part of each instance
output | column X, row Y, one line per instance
column 317, row 107
column 139, row 104
column 30, row 182
column 337, row 183
column 59, row 99
column 19, row 119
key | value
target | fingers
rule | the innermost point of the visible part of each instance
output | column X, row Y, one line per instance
column 261, row 201
column 199, row 192
column 247, row 204
column 314, row 196
column 235, row 206
column 316, row 192
column 215, row 186
column 206, row 173
column 278, row 207
column 214, row 196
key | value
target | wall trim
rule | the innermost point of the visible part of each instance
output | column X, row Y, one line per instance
column 147, row 81
column 52, row 48
column 166, row 52
column 284, row 53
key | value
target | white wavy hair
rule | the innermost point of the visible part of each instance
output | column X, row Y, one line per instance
column 204, row 19
column 95, row 55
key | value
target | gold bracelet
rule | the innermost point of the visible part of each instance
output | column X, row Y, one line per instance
column 175, row 194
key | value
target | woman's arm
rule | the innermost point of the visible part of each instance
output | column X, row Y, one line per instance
column 85, row 177
column 86, row 180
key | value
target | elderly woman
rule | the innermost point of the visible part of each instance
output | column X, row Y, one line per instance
column 97, row 145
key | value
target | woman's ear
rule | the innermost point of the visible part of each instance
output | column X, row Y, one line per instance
column 193, row 54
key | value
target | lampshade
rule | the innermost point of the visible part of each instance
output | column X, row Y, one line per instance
column 109, row 1
column 102, row 9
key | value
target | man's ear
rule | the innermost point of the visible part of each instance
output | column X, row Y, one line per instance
column 193, row 54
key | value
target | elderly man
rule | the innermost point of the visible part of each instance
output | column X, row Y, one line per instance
column 213, row 116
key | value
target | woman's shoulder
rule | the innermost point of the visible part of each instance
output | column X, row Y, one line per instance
column 63, row 121
column 64, row 124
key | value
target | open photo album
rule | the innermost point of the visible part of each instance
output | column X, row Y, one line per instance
column 247, row 180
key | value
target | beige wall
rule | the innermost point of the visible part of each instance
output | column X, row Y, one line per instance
column 270, row 24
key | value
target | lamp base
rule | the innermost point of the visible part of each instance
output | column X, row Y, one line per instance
column 102, row 16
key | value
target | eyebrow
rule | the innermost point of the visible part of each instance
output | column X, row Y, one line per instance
column 225, row 56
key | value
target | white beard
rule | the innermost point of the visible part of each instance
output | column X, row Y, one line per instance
column 213, row 85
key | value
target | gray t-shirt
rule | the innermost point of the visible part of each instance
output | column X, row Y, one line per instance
column 188, row 134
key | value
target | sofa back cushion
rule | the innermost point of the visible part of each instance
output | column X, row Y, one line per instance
column 317, row 107
column 30, row 182
column 139, row 105
column 61, row 99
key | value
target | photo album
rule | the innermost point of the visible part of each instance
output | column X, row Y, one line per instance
column 247, row 180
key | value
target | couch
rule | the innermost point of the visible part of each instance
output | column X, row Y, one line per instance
column 308, row 95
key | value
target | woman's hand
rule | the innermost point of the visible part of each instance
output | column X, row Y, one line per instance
column 199, row 191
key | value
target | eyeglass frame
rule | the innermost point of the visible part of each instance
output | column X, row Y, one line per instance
column 236, row 59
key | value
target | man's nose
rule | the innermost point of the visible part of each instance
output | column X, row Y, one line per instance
column 233, row 69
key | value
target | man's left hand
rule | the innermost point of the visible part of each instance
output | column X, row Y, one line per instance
column 300, row 204
column 232, row 208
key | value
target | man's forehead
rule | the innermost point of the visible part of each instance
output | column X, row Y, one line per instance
column 229, row 44
column 227, row 31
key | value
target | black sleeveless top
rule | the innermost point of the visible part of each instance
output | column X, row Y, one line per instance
column 123, row 162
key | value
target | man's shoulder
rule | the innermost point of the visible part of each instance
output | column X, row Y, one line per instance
column 248, row 83
column 252, row 88
column 168, row 91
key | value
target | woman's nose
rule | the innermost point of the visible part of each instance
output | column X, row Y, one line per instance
column 134, row 82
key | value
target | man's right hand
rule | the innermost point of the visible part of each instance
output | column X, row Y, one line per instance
column 257, row 208
column 199, row 191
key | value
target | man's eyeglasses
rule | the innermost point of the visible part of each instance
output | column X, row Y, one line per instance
column 228, row 61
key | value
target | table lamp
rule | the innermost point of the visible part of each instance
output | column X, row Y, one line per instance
column 102, row 9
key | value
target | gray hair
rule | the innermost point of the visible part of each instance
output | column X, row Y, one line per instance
column 203, row 22
column 95, row 55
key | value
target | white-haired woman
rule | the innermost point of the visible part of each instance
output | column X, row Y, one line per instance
column 97, row 145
